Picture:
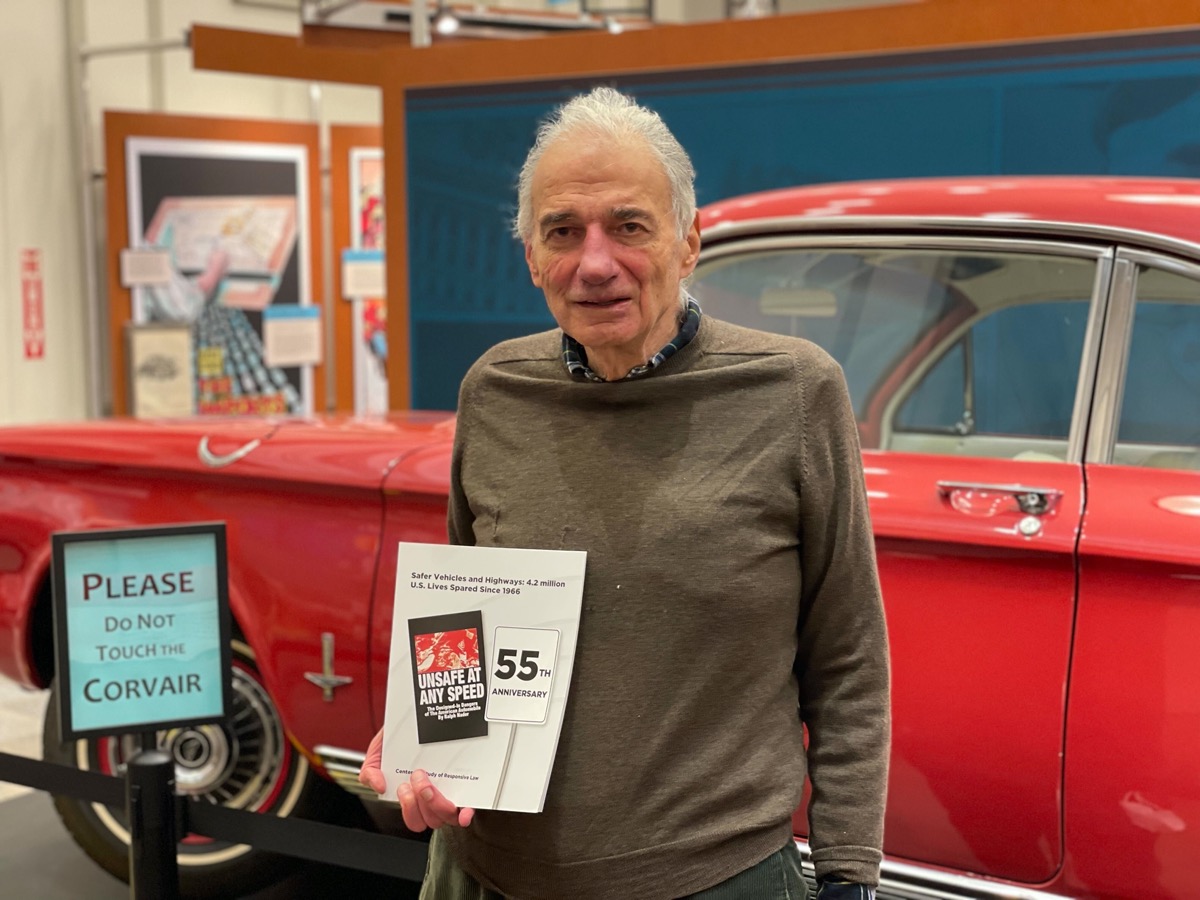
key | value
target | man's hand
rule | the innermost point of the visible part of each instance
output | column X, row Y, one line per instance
column 422, row 805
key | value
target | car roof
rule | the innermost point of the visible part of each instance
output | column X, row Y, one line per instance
column 1169, row 207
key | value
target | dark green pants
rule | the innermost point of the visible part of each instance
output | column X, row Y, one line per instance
column 778, row 877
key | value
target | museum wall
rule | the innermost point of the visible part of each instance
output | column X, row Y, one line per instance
column 39, row 210
column 41, row 205
column 49, row 376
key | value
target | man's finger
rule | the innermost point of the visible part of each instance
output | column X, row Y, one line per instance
column 413, row 820
column 370, row 773
column 436, row 808
column 375, row 751
column 372, row 778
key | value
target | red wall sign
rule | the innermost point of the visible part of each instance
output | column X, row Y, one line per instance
column 33, row 308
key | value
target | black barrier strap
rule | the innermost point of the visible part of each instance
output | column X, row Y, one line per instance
column 378, row 853
column 57, row 779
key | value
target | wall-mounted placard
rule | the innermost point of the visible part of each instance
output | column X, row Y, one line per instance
column 141, row 621
column 292, row 335
column 161, row 374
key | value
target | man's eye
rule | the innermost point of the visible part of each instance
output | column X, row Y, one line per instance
column 562, row 231
column 632, row 227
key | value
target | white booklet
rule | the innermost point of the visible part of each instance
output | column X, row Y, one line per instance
column 483, row 644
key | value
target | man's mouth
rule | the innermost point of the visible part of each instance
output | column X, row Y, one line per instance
column 603, row 304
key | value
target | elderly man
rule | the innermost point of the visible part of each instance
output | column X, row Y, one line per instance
column 712, row 473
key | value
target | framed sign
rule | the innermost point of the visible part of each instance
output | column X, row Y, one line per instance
column 141, row 627
column 161, row 381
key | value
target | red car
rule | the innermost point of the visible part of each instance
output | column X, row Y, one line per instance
column 1024, row 358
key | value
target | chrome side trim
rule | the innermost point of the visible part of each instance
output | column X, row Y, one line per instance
column 903, row 881
column 900, row 881
column 340, row 754
column 217, row 461
column 342, row 765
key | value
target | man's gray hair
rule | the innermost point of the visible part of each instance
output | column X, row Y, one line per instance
column 606, row 112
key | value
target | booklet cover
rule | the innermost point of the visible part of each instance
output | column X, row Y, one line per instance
column 483, row 644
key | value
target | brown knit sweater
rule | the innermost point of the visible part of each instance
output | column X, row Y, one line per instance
column 730, row 584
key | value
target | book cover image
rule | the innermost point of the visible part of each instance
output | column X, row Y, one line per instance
column 449, row 688
column 483, row 646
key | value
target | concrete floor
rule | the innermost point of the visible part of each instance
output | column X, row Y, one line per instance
column 21, row 714
column 39, row 859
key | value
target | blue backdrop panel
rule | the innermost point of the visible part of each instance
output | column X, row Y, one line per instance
column 1112, row 106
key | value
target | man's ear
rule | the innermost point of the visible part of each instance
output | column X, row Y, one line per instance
column 692, row 254
column 534, row 272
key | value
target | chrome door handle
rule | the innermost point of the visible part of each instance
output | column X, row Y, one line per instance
column 216, row 461
column 1033, row 501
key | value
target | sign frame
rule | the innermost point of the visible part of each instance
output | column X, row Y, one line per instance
column 159, row 340
column 60, row 542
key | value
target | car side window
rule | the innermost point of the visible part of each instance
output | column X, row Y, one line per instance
column 1159, row 424
column 867, row 308
column 964, row 349
column 1005, row 388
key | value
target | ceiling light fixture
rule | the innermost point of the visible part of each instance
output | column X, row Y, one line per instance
column 445, row 22
column 445, row 18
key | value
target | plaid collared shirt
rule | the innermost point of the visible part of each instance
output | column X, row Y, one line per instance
column 575, row 357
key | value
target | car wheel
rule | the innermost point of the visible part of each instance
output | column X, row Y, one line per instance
column 245, row 763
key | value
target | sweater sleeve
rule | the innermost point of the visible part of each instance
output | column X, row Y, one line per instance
column 459, row 517
column 842, row 653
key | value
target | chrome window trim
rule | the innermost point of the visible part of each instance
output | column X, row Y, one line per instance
column 1090, row 359
column 1118, row 337
column 1103, row 256
column 998, row 227
column 1110, row 371
column 900, row 242
column 1186, row 268
column 904, row 881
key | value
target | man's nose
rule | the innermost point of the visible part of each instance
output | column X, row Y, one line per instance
column 596, row 261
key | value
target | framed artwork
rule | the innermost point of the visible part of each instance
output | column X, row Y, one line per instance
column 233, row 217
column 369, row 312
column 359, row 227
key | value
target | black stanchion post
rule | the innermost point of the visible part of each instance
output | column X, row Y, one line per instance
column 150, row 803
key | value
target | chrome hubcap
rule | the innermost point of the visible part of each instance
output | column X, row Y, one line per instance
column 237, row 763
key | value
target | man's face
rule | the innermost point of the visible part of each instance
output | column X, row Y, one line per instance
column 605, row 248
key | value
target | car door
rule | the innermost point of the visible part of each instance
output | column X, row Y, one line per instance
column 414, row 497
column 970, row 364
column 1134, row 724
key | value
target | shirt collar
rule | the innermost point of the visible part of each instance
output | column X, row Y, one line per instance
column 575, row 357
